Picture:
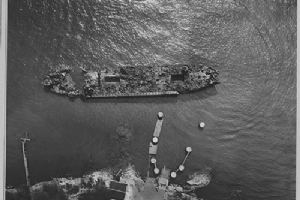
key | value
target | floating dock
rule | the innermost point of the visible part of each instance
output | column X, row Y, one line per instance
column 152, row 149
column 157, row 183
column 150, row 192
column 157, row 129
column 154, row 146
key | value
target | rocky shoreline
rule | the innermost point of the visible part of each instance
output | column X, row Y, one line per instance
column 107, row 182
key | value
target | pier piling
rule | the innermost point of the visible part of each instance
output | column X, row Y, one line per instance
column 23, row 141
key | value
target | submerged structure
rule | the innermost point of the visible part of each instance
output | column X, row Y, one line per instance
column 138, row 81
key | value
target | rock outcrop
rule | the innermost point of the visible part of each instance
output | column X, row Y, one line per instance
column 200, row 179
column 105, row 182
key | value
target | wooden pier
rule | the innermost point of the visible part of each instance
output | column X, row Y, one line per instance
column 23, row 141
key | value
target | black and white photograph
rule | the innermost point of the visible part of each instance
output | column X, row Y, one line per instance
column 149, row 99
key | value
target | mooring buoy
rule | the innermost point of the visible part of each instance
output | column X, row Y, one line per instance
column 188, row 149
column 181, row 168
column 153, row 160
column 155, row 140
column 160, row 115
column 201, row 124
column 173, row 174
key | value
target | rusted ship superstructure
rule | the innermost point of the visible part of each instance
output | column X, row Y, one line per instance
column 59, row 81
column 138, row 81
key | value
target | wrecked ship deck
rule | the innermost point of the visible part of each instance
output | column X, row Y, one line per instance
column 139, row 81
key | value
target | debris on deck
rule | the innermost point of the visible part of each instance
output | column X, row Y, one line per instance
column 128, row 81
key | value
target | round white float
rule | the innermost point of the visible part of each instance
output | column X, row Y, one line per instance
column 155, row 140
column 160, row 115
column 153, row 160
column 156, row 170
column 181, row 168
column 173, row 174
column 188, row 149
column 201, row 124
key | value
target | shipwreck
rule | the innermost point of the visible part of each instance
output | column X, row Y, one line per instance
column 128, row 81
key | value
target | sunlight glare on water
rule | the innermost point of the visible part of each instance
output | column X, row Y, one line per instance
column 250, row 118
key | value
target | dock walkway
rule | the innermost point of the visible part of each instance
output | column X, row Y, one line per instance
column 153, row 147
column 157, row 129
column 150, row 192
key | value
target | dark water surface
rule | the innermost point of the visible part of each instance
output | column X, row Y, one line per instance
column 249, row 138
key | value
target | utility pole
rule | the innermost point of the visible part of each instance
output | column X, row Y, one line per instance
column 23, row 141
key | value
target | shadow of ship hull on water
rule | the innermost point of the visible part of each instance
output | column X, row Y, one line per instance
column 202, row 93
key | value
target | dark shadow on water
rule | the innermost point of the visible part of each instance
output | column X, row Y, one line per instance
column 157, row 100
column 200, row 94
column 195, row 95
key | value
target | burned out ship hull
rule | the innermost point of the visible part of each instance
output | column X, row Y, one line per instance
column 148, row 81
column 138, row 81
